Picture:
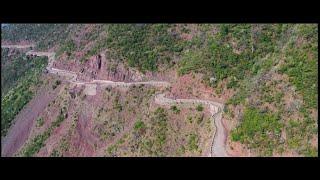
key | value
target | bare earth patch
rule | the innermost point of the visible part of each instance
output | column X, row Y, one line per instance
column 90, row 89
column 19, row 132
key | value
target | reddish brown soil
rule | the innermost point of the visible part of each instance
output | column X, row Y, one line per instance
column 90, row 69
column 19, row 132
column 236, row 149
column 314, row 141
column 49, row 115
column 83, row 140
column 187, row 86
column 101, row 146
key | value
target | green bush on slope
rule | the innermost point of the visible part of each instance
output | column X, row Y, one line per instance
column 258, row 130
column 21, row 94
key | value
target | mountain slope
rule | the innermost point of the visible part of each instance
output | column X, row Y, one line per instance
column 266, row 75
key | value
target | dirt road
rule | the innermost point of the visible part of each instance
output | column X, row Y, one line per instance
column 218, row 148
column 72, row 76
column 18, row 46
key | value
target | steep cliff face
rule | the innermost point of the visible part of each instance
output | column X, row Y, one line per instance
column 100, row 67
column 106, row 68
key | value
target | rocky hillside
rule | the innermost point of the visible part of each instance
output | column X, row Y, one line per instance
column 265, row 74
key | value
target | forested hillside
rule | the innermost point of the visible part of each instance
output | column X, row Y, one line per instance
column 19, row 81
column 265, row 74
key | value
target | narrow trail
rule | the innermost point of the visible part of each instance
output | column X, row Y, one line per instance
column 218, row 148
column 18, row 46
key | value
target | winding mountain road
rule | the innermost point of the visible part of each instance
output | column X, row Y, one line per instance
column 18, row 46
column 218, row 148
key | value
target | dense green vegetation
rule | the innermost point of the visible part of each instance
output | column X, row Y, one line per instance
column 302, row 64
column 216, row 55
column 15, row 67
column 298, row 48
column 20, row 32
column 45, row 36
column 193, row 61
column 259, row 130
column 68, row 47
column 193, row 142
column 143, row 46
column 245, row 56
column 20, row 94
column 199, row 107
